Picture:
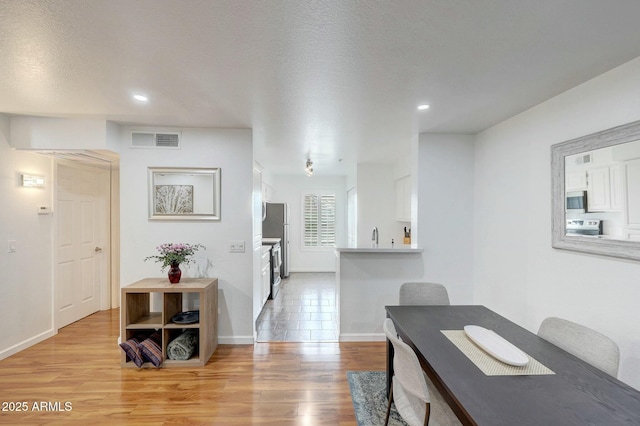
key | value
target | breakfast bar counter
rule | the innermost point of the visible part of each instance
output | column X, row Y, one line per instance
column 398, row 248
column 367, row 280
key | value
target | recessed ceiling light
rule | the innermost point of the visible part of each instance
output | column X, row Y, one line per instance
column 141, row 98
column 423, row 107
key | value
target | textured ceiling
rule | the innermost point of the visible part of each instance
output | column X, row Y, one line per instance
column 336, row 79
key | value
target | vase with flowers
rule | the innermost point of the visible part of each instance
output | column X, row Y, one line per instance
column 173, row 255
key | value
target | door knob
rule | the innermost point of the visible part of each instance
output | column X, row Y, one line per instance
column 98, row 250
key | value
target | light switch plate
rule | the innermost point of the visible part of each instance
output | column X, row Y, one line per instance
column 236, row 247
column 12, row 246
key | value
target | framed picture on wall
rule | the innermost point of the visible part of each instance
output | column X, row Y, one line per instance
column 173, row 199
column 184, row 193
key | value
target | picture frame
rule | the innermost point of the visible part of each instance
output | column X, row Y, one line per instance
column 560, row 239
column 184, row 193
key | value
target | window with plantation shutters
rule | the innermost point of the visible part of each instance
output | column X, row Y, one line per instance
column 319, row 212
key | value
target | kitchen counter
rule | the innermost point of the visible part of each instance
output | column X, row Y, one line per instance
column 602, row 237
column 396, row 248
column 271, row 240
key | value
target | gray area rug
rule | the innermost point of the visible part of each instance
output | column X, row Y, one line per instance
column 369, row 398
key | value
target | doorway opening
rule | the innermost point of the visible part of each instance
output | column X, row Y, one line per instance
column 304, row 310
column 86, row 234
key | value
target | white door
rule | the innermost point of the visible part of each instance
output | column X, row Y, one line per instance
column 82, row 226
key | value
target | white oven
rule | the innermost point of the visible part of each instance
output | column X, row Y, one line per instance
column 584, row 227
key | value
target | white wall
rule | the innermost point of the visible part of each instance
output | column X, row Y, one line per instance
column 29, row 270
column 59, row 133
column 444, row 184
column 26, row 303
column 376, row 203
column 231, row 150
column 517, row 273
column 402, row 167
column 289, row 189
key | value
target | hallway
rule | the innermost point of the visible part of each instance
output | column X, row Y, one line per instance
column 303, row 311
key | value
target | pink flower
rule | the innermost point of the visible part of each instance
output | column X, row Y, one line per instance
column 171, row 253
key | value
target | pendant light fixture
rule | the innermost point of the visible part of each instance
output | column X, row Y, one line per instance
column 309, row 167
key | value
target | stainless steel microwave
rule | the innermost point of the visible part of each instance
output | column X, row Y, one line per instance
column 577, row 202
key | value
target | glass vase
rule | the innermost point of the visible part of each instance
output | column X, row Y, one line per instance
column 175, row 273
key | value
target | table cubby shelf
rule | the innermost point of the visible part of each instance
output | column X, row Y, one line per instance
column 138, row 318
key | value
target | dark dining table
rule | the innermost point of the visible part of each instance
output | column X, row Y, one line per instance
column 577, row 394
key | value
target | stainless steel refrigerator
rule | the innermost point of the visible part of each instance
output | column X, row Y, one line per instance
column 276, row 225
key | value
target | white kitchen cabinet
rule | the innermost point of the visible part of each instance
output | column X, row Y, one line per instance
column 598, row 189
column 267, row 192
column 266, row 274
column 631, row 171
column 633, row 235
column 604, row 189
column 576, row 180
column 403, row 199
column 615, row 183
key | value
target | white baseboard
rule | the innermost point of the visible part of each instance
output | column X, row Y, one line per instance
column 362, row 337
column 235, row 340
column 312, row 270
column 27, row 343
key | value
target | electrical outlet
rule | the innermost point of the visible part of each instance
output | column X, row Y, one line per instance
column 236, row 247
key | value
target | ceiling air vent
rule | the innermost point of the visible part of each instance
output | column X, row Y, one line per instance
column 155, row 140
column 583, row 159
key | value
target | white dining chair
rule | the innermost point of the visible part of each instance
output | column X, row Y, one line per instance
column 408, row 390
column 583, row 342
column 423, row 293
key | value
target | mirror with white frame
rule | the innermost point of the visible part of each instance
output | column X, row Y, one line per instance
column 596, row 193
column 184, row 193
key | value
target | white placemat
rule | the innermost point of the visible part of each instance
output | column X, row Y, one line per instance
column 488, row 364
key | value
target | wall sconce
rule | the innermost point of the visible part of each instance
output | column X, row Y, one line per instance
column 309, row 167
column 33, row 181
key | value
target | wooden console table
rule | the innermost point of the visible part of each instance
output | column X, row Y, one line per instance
column 137, row 316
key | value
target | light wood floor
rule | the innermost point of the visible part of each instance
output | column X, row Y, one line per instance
column 278, row 383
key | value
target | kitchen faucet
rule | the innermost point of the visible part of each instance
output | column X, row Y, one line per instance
column 374, row 236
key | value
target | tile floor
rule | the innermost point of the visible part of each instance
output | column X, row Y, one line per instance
column 303, row 311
